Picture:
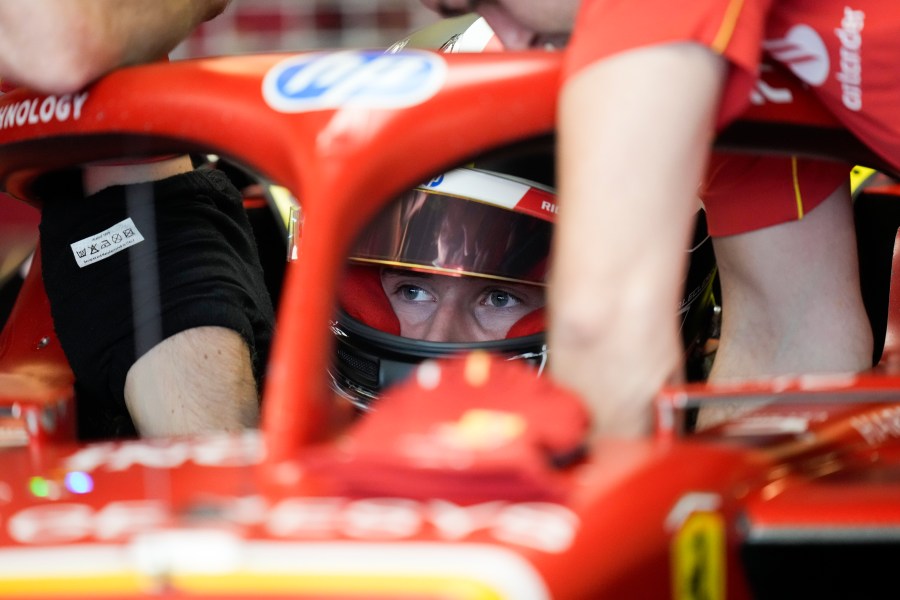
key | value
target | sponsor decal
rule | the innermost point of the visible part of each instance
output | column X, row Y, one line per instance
column 370, row 79
column 698, row 558
column 543, row 526
column 539, row 203
column 95, row 248
column 480, row 429
column 879, row 427
column 803, row 52
column 435, row 181
column 497, row 191
column 850, row 74
column 42, row 110
column 765, row 91
column 214, row 451
column 550, row 207
column 540, row 526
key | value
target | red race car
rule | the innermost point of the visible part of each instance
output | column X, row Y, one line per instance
column 472, row 479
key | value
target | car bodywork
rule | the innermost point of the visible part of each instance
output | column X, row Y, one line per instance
column 800, row 495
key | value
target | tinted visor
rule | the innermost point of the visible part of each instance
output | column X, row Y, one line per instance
column 436, row 233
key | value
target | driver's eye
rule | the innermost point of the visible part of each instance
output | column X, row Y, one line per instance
column 501, row 299
column 413, row 293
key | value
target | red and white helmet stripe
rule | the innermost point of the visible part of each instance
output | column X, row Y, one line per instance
column 501, row 191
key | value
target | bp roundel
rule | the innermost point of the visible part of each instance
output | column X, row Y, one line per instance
column 370, row 79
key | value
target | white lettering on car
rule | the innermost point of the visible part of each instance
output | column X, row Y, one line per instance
column 51, row 523
column 878, row 428
column 544, row 526
column 541, row 526
column 216, row 451
column 42, row 110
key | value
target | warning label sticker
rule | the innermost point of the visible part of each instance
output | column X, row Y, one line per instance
column 120, row 236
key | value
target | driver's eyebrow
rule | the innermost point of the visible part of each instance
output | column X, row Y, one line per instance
column 445, row 11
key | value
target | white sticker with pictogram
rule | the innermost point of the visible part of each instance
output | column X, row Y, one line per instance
column 120, row 236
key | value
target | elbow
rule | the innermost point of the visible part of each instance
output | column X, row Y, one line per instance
column 77, row 64
column 65, row 77
column 72, row 60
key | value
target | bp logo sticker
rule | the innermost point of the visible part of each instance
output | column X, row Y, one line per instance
column 370, row 79
column 435, row 182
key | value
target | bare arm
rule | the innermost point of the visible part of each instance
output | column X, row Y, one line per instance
column 199, row 380
column 634, row 136
column 59, row 46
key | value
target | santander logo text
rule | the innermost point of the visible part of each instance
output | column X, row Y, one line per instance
column 850, row 75
column 803, row 52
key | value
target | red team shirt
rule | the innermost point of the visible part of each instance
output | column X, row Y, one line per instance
column 846, row 52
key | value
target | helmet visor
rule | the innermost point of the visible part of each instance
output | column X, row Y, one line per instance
column 437, row 233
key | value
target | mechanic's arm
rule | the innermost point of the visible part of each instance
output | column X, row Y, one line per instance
column 634, row 133
column 59, row 46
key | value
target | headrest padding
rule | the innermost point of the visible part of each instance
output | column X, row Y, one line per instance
column 361, row 296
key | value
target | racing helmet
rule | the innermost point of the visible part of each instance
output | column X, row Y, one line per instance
column 474, row 223
column 467, row 223
column 434, row 229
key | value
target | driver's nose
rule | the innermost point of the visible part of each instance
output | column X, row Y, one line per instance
column 448, row 324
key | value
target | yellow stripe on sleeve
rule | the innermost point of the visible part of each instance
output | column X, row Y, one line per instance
column 726, row 30
column 795, row 178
